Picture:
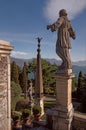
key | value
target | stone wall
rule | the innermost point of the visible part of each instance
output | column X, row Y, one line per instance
column 79, row 122
column 3, row 92
column 5, row 101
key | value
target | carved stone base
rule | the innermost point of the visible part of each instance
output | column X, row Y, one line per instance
column 40, row 102
column 62, row 115
column 65, row 72
column 59, row 120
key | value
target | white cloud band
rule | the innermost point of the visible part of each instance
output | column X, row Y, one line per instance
column 18, row 53
column 73, row 7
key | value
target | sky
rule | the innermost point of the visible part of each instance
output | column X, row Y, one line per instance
column 22, row 21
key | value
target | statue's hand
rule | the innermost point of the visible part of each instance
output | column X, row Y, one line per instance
column 74, row 36
column 51, row 27
column 48, row 27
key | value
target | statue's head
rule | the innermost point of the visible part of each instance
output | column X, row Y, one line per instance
column 62, row 12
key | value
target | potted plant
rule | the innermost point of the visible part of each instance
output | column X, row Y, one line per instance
column 37, row 112
column 16, row 122
column 26, row 113
column 26, row 119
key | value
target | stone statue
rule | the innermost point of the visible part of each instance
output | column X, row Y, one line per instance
column 30, row 92
column 65, row 31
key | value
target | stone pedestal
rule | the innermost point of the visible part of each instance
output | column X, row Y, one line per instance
column 5, row 99
column 40, row 102
column 63, row 113
column 64, row 91
column 62, row 120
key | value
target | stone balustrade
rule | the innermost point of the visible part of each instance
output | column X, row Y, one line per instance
column 79, row 122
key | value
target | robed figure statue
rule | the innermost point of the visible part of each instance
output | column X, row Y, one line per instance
column 64, row 33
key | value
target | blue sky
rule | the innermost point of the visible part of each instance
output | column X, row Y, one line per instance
column 21, row 21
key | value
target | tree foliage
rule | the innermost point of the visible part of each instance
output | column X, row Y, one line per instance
column 80, row 86
column 15, row 93
column 74, row 84
column 23, row 78
column 83, row 100
column 48, row 73
column 14, row 72
column 81, row 92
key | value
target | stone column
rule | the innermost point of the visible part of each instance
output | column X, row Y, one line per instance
column 63, row 113
column 39, row 81
column 31, row 96
column 5, row 99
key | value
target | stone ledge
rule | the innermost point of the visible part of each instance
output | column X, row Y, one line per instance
column 5, row 45
column 66, row 73
column 79, row 121
column 3, row 42
column 64, row 108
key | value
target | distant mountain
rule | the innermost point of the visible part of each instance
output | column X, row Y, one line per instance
column 77, row 66
column 20, row 62
column 52, row 61
column 80, row 63
column 77, row 69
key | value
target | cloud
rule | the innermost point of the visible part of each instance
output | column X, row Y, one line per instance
column 22, row 54
column 73, row 7
column 18, row 54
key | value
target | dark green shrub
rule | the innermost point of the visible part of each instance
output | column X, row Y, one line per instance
column 36, row 109
column 15, row 94
column 22, row 104
column 16, row 117
column 26, row 113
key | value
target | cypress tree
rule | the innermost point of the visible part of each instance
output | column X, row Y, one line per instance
column 24, row 79
column 14, row 72
column 83, row 101
column 80, row 86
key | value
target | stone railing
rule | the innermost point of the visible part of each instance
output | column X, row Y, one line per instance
column 79, row 122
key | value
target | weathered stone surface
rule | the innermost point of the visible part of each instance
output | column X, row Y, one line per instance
column 3, row 92
column 79, row 122
column 63, row 90
column 62, row 114
column 5, row 112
